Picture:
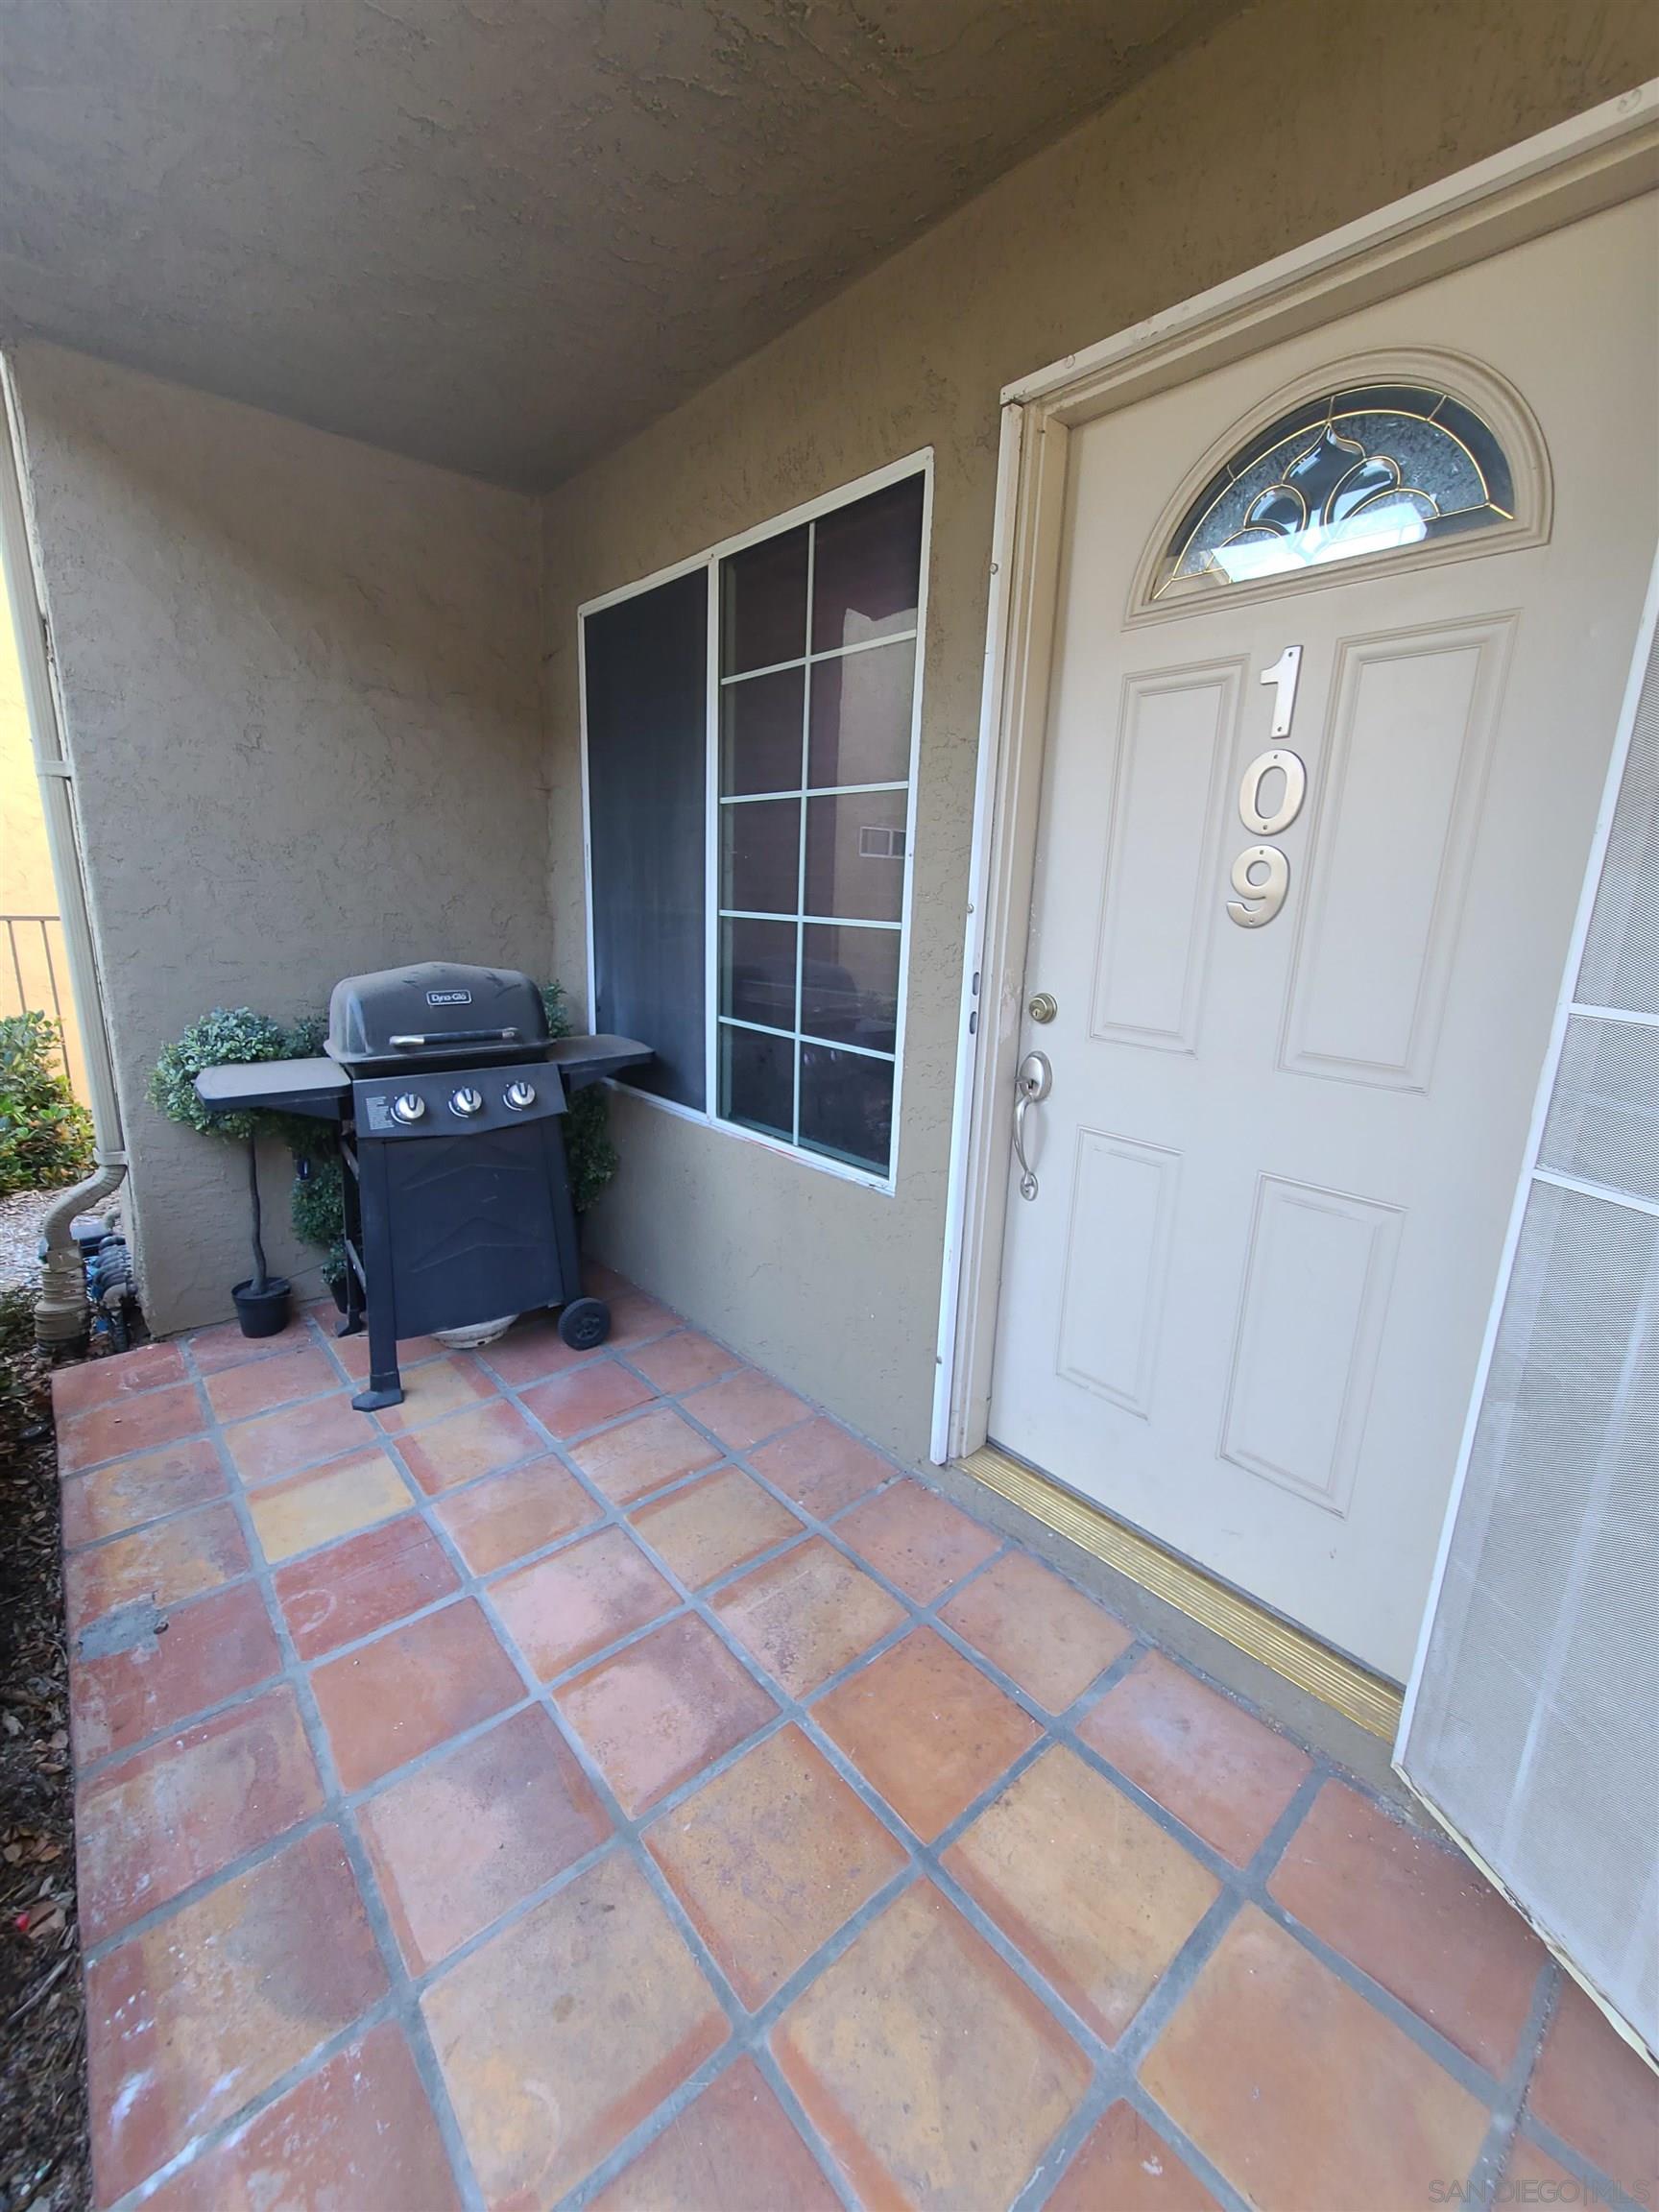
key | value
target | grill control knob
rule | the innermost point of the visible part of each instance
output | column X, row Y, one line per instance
column 520, row 1095
column 466, row 1101
column 408, row 1108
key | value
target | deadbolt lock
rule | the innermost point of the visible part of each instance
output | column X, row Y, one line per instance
column 1041, row 1006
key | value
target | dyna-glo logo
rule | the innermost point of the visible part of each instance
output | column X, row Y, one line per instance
column 448, row 998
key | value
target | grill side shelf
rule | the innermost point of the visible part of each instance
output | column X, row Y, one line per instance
column 313, row 1087
column 585, row 1059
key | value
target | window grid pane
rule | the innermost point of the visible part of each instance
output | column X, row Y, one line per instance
column 833, row 1111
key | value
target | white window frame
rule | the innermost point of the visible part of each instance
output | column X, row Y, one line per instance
column 917, row 464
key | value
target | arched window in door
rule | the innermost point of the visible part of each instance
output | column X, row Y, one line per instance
column 1367, row 470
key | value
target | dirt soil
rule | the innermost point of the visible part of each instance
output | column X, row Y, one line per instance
column 44, row 2163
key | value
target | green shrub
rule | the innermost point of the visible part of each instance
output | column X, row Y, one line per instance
column 45, row 1132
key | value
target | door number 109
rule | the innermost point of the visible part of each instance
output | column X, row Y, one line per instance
column 1262, row 873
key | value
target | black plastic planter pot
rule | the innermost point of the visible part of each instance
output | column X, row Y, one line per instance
column 262, row 1312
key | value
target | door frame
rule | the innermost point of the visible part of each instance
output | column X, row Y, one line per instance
column 1578, row 168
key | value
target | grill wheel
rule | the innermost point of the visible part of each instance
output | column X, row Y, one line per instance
column 585, row 1323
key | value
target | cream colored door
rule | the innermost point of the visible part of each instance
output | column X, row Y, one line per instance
column 1243, row 1308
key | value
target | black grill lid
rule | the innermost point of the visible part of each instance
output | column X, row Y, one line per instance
column 434, row 1013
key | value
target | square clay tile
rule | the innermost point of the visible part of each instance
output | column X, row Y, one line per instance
column 558, row 2036
column 95, row 1382
column 224, row 1346
column 463, row 1446
column 643, row 1454
column 207, row 1651
column 713, row 1524
column 168, row 1562
column 745, row 1407
column 505, row 1516
column 1417, row 1918
column 931, row 2071
column 917, row 1539
column 275, row 1444
column 807, row 1614
column 1533, row 2177
column 298, row 1511
column 356, row 2134
column 637, row 1319
column 1301, row 2093
column 926, row 1728
column 135, row 1422
column 261, row 1384
column 466, row 1836
column 364, row 1584
column 1097, row 1896
column 388, row 1701
column 436, row 1387
column 656, row 1713
column 822, row 1467
column 131, row 1492
column 148, row 1828
column 770, row 1857
column 1591, row 2087
column 202, row 2012
column 684, row 1361
column 561, row 1610
column 720, row 2149
column 1215, row 1767
column 599, row 1392
column 352, row 1352
column 1038, row 1628
column 1124, row 2164
column 531, row 1351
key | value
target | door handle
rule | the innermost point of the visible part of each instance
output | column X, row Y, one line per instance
column 1031, row 1085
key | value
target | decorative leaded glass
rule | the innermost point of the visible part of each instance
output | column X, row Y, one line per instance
column 1374, row 469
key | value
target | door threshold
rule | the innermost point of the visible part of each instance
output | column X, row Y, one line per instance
column 1369, row 1700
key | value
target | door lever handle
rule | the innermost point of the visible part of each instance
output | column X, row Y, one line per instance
column 1031, row 1085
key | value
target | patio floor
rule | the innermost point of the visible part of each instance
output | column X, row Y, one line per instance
column 607, row 1780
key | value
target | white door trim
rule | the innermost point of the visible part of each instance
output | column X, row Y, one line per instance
column 1594, row 161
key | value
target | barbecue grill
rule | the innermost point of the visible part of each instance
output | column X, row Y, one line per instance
column 448, row 1095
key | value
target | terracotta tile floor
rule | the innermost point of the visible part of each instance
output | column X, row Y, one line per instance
column 606, row 1780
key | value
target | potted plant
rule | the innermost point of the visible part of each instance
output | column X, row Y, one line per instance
column 224, row 1039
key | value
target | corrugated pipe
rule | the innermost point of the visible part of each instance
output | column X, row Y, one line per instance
column 61, row 1311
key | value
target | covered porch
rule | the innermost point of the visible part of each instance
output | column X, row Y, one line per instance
column 611, row 1780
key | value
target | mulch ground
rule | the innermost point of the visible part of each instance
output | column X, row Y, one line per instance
column 44, row 2165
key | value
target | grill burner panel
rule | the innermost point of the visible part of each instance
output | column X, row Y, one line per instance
column 450, row 1097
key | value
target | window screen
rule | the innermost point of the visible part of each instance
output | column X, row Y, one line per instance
column 646, row 673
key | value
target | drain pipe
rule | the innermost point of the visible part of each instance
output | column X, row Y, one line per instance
column 61, row 1311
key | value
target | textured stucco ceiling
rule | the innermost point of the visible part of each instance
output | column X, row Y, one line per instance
column 501, row 235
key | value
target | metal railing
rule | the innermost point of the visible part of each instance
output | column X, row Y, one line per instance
column 34, row 949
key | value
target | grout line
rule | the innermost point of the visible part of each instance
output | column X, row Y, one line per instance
column 1486, row 2174
column 1115, row 2066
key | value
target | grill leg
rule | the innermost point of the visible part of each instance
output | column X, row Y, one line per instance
column 385, row 1384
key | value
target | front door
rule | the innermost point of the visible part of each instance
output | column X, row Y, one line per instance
column 1341, row 635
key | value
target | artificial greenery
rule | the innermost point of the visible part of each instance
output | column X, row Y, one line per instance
column 45, row 1132
column 226, row 1038
column 590, row 1156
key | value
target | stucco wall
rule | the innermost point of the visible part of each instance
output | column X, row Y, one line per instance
column 1293, row 118
column 298, row 679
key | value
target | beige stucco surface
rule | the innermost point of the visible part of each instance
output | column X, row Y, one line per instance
column 298, row 682
column 1291, row 119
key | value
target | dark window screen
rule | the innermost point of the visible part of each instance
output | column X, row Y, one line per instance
column 646, row 674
